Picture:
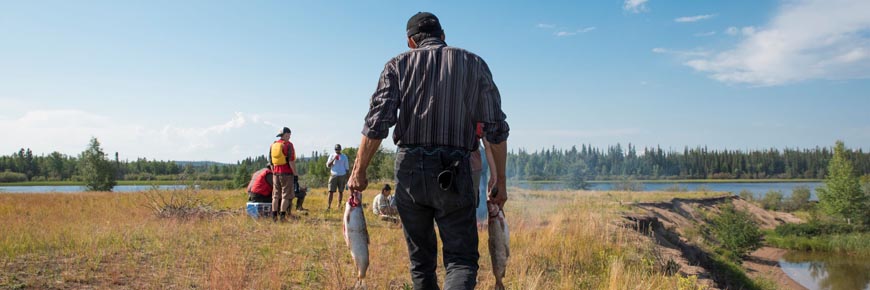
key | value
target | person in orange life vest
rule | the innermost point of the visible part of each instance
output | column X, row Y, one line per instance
column 284, row 179
column 260, row 187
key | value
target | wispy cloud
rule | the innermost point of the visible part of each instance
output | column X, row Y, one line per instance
column 818, row 39
column 705, row 34
column 746, row 30
column 695, row 18
column 635, row 6
column 681, row 53
column 616, row 132
column 575, row 32
column 545, row 26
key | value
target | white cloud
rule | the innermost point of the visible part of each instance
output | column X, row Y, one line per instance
column 705, row 34
column 545, row 26
column 635, row 6
column 732, row 30
column 745, row 31
column 586, row 29
column 695, row 18
column 572, row 33
column 805, row 40
column 68, row 131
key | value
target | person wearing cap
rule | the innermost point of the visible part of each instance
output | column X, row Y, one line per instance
column 435, row 94
column 284, row 179
column 384, row 205
column 338, row 166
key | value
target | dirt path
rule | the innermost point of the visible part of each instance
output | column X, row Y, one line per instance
column 764, row 262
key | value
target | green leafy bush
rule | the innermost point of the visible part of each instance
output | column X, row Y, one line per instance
column 772, row 200
column 736, row 231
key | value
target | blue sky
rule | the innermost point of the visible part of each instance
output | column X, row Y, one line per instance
column 214, row 80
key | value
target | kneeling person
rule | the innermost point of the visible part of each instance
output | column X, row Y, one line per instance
column 260, row 187
column 384, row 205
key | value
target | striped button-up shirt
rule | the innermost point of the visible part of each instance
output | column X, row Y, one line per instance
column 435, row 95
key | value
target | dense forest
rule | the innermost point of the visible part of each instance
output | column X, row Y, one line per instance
column 586, row 163
column 615, row 162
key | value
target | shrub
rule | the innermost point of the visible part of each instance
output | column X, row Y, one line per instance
column 9, row 176
column 800, row 199
column 772, row 200
column 628, row 184
column 736, row 231
column 747, row 195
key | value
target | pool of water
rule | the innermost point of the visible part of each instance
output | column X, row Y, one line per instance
column 827, row 271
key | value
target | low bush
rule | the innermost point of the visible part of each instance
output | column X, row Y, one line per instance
column 736, row 232
column 772, row 200
column 9, row 176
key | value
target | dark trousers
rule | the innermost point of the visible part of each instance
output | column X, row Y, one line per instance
column 253, row 197
column 422, row 203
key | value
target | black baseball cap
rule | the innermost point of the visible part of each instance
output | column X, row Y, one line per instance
column 337, row 146
column 424, row 22
column 387, row 187
column 283, row 131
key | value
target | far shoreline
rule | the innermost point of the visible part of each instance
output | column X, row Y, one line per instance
column 796, row 180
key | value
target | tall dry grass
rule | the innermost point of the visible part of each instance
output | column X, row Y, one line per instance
column 559, row 240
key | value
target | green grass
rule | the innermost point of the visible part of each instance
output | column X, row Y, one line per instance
column 852, row 243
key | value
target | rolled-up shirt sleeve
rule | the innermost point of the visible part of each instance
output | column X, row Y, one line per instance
column 384, row 105
column 489, row 112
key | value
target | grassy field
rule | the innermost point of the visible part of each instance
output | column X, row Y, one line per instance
column 559, row 240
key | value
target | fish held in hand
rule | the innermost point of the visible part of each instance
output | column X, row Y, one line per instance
column 356, row 236
column 499, row 241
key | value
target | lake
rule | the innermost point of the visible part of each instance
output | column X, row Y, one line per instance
column 827, row 271
column 79, row 188
column 757, row 188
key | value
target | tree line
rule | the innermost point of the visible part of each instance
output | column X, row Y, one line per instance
column 616, row 162
column 573, row 165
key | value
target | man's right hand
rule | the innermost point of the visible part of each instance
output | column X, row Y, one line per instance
column 358, row 181
column 500, row 197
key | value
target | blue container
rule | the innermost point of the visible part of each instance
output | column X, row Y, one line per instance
column 258, row 209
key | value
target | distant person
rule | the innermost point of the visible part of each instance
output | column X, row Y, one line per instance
column 338, row 166
column 434, row 95
column 260, row 187
column 284, row 178
column 384, row 205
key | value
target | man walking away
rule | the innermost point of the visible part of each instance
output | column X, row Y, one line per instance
column 284, row 178
column 435, row 95
column 337, row 164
